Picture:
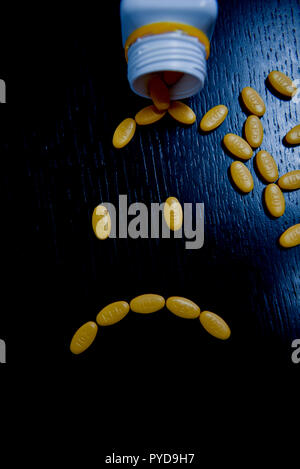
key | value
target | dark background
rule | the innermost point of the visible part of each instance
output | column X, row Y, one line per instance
column 71, row 92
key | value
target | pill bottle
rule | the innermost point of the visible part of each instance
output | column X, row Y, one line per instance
column 167, row 35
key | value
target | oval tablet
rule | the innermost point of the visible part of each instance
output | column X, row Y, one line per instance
column 293, row 136
column 159, row 93
column 183, row 307
column 290, row 181
column 241, row 176
column 238, row 146
column 181, row 112
column 112, row 313
column 267, row 166
column 170, row 77
column 148, row 303
column 101, row 222
column 254, row 131
column 213, row 118
column 149, row 115
column 215, row 325
column 274, row 200
column 282, row 83
column 253, row 101
column 173, row 213
column 124, row 133
column 83, row 337
column 291, row 237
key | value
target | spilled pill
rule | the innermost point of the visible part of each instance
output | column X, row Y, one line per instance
column 275, row 201
column 148, row 303
column 291, row 237
column 124, row 133
column 254, row 131
column 290, row 181
column 253, row 101
column 159, row 93
column 241, row 176
column 112, row 313
column 173, row 214
column 83, row 337
column 213, row 118
column 170, row 77
column 183, row 307
column 149, row 115
column 282, row 83
column 101, row 222
column 238, row 146
column 215, row 325
column 267, row 166
column 293, row 136
column 181, row 112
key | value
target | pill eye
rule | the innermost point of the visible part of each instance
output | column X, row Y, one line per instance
column 173, row 214
column 101, row 222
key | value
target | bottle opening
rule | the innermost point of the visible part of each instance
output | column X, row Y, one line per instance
column 159, row 53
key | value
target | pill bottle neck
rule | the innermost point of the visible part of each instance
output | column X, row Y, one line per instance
column 169, row 51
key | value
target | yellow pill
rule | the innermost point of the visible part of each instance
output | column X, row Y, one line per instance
column 254, row 131
column 293, row 136
column 267, row 166
column 124, row 133
column 213, row 118
column 238, row 146
column 83, row 337
column 291, row 237
column 253, row 101
column 149, row 115
column 181, row 112
column 274, row 200
column 159, row 93
column 241, row 176
column 215, row 325
column 173, row 213
column 282, row 83
column 112, row 313
column 290, row 181
column 170, row 77
column 183, row 307
column 148, row 303
column 101, row 222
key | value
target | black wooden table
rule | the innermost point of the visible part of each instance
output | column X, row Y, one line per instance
column 76, row 94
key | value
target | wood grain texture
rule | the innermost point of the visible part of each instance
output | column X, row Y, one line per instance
column 71, row 167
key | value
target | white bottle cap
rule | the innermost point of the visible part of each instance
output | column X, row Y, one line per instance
column 174, row 51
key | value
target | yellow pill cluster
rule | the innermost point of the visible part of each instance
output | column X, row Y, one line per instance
column 265, row 163
column 146, row 304
column 159, row 91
